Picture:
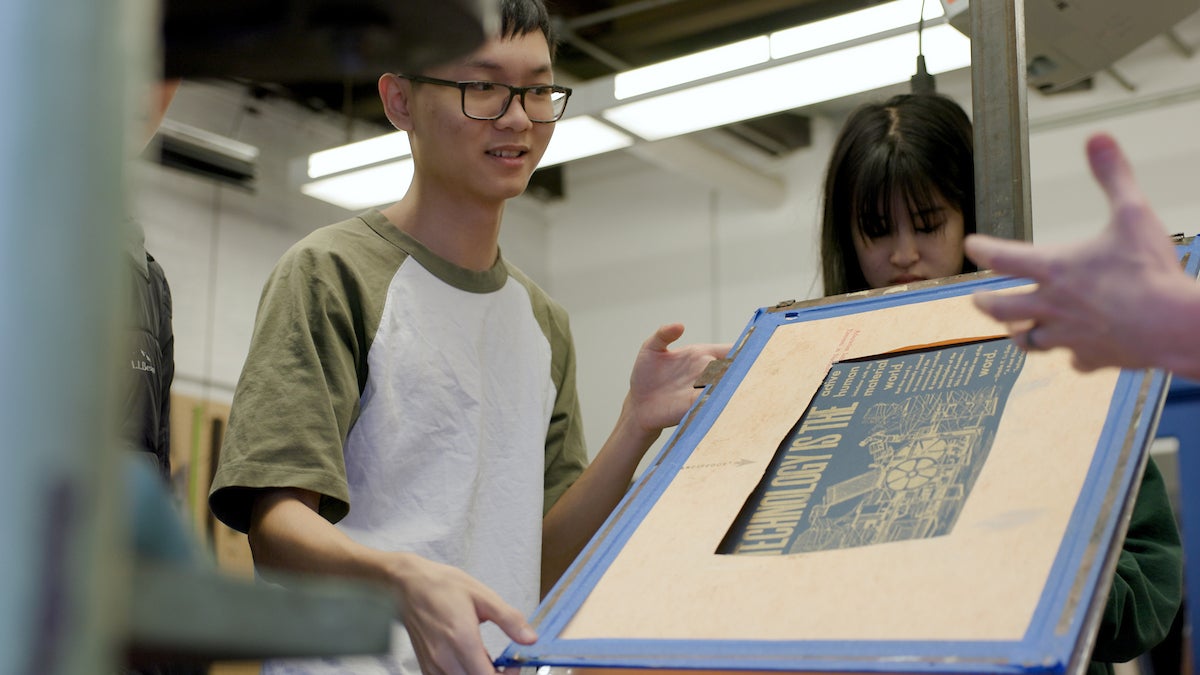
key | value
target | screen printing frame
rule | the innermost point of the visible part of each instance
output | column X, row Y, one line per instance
column 1058, row 637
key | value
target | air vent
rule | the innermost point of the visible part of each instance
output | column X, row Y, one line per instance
column 205, row 154
column 1067, row 41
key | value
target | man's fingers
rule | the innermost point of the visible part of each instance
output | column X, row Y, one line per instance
column 504, row 615
column 441, row 659
column 1082, row 364
column 1112, row 171
column 663, row 337
column 716, row 351
column 1014, row 258
column 474, row 662
column 477, row 663
column 1010, row 307
column 1034, row 337
column 463, row 651
column 1133, row 219
column 980, row 248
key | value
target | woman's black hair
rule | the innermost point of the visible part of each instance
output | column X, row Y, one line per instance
column 521, row 17
column 917, row 145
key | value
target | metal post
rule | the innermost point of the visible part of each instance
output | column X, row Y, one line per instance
column 998, row 94
column 66, row 66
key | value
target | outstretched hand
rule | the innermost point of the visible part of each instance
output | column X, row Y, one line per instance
column 1106, row 299
column 442, row 608
column 661, row 385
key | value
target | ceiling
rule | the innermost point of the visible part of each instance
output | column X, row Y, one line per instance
column 327, row 55
column 601, row 37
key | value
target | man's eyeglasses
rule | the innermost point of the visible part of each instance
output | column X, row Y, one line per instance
column 490, row 100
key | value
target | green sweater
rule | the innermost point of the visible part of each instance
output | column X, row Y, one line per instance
column 1148, row 585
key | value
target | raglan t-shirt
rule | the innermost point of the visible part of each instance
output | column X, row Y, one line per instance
column 432, row 407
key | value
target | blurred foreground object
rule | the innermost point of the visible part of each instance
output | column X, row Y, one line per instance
column 307, row 40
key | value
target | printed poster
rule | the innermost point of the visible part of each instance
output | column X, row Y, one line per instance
column 887, row 451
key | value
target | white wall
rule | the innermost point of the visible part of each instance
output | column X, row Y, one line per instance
column 217, row 244
column 633, row 246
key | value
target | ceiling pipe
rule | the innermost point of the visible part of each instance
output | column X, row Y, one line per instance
column 616, row 13
column 567, row 34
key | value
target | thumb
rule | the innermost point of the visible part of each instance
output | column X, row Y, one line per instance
column 1133, row 220
column 663, row 337
column 511, row 621
column 1112, row 171
column 1014, row 258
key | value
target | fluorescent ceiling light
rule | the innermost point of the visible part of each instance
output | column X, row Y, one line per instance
column 692, row 67
column 799, row 82
column 791, row 85
column 373, row 186
column 872, row 21
column 385, row 183
column 362, row 153
column 584, row 136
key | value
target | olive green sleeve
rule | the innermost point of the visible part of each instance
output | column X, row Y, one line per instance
column 566, row 451
column 298, row 393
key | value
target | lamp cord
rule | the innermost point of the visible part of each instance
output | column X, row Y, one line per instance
column 920, row 30
column 922, row 82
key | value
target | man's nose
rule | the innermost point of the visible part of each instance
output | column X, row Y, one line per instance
column 515, row 116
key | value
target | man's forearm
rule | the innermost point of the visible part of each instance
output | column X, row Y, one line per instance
column 287, row 534
column 580, row 512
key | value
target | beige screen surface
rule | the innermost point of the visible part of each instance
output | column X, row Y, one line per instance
column 982, row 581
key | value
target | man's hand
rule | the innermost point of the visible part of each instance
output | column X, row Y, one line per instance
column 661, row 385
column 442, row 607
column 1109, row 300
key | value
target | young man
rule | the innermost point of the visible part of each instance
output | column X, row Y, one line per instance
column 407, row 412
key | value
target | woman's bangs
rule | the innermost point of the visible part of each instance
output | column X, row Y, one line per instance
column 872, row 195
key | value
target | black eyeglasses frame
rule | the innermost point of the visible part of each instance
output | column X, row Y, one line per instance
column 513, row 92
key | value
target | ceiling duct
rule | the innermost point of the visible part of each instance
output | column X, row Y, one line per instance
column 203, row 153
column 1068, row 41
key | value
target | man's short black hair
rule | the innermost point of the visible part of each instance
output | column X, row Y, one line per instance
column 520, row 17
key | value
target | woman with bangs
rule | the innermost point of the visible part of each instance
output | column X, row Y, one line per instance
column 899, row 201
column 899, row 195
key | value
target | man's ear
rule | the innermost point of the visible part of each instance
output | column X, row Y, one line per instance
column 395, row 93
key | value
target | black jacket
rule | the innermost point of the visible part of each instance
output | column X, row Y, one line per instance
column 149, row 363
